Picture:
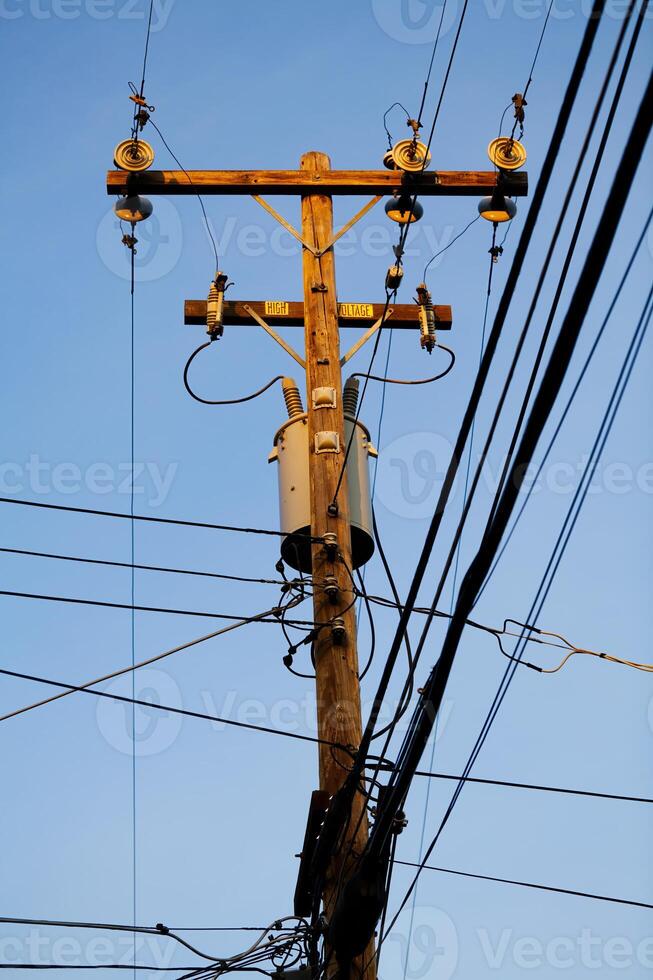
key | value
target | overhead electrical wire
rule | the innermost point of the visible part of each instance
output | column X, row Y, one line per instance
column 404, row 230
column 152, row 520
column 549, row 387
column 223, row 401
column 541, row 595
column 24, row 552
column 591, row 794
column 207, row 224
column 185, row 712
column 580, row 215
column 486, row 362
column 470, row 493
column 245, row 621
column 529, row 884
column 570, row 400
column 418, row 381
column 105, row 604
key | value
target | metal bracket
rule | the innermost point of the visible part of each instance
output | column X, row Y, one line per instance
column 366, row 336
column 275, row 336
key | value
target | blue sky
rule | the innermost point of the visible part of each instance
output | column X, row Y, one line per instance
column 219, row 812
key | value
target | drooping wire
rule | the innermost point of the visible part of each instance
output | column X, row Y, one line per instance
column 385, row 118
column 207, row 223
column 453, row 240
column 224, row 401
column 418, row 381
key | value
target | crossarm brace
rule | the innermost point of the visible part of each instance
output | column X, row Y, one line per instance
column 275, row 336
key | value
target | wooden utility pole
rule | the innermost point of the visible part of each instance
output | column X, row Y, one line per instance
column 336, row 661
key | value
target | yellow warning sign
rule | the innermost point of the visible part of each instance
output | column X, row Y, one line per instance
column 276, row 307
column 353, row 310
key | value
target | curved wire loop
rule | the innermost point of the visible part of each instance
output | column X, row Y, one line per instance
column 224, row 401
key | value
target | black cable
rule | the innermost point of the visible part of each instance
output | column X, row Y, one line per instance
column 370, row 618
column 433, row 53
column 175, row 711
column 227, row 401
column 152, row 520
column 590, row 794
column 549, row 387
column 146, row 568
column 486, row 362
column 553, row 309
column 419, row 381
column 402, row 239
column 453, row 240
column 197, row 195
column 597, row 449
column 147, row 47
column 529, row 884
column 154, row 609
column 598, row 158
column 569, row 403
column 537, row 53
column 385, row 117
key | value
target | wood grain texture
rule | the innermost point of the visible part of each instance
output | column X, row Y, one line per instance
column 431, row 183
column 336, row 666
column 404, row 317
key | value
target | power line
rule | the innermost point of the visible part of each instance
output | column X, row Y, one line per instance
column 549, row 388
column 153, row 520
column 469, row 496
column 153, row 609
column 147, row 568
column 479, row 384
column 245, row 621
column 591, row 794
column 529, row 884
column 431, row 775
column 186, row 712
column 570, row 400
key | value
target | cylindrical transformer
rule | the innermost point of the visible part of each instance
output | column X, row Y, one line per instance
column 291, row 451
